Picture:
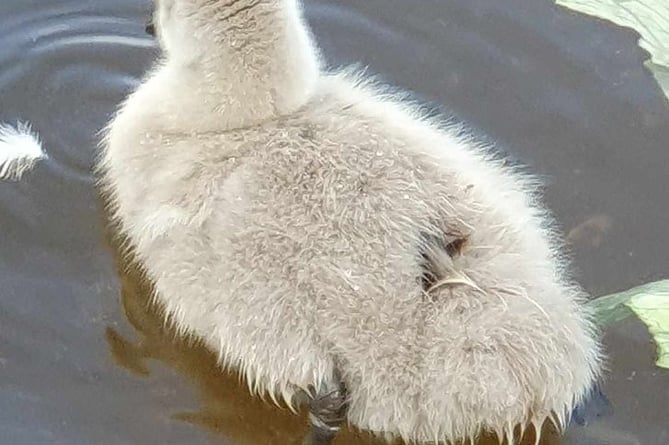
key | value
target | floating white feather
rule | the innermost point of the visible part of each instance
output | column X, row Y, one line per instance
column 20, row 149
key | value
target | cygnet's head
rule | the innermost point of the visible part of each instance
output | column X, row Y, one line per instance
column 192, row 30
column 178, row 30
column 258, row 55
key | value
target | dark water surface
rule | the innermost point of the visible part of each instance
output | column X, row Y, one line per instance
column 81, row 365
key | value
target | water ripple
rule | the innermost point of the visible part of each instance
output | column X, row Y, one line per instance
column 81, row 62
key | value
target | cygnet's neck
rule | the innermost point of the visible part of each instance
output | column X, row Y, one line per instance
column 261, row 65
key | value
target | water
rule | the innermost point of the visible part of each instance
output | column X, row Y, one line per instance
column 565, row 93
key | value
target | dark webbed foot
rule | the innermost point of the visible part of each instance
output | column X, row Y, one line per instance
column 327, row 413
column 595, row 405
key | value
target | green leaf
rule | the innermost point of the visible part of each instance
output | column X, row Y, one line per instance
column 650, row 18
column 611, row 309
column 653, row 310
column 650, row 302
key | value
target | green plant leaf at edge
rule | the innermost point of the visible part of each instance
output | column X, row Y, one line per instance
column 650, row 18
column 650, row 302
column 653, row 310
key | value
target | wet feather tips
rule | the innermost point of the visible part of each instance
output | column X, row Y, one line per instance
column 20, row 150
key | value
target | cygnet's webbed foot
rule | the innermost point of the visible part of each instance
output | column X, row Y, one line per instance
column 327, row 413
column 595, row 405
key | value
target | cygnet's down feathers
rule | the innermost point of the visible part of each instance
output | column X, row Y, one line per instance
column 352, row 236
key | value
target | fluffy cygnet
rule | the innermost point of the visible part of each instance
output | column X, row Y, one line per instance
column 326, row 239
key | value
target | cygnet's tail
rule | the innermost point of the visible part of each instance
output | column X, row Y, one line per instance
column 503, row 345
column 20, row 150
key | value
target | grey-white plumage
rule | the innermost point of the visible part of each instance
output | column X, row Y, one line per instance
column 308, row 225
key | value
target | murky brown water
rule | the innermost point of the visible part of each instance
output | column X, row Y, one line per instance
column 84, row 357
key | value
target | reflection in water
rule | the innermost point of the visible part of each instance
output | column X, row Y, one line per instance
column 226, row 406
column 590, row 232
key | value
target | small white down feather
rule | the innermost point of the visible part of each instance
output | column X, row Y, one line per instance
column 20, row 149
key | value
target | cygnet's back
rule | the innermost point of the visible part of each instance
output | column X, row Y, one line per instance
column 310, row 228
